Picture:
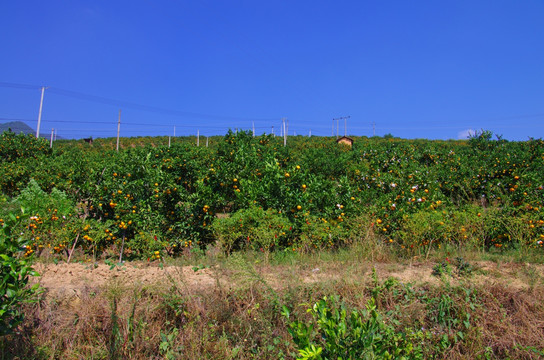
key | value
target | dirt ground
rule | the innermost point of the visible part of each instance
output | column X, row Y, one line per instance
column 67, row 282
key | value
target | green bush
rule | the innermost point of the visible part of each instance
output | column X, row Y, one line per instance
column 37, row 202
column 14, row 274
column 15, row 146
column 252, row 228
column 336, row 333
column 52, row 221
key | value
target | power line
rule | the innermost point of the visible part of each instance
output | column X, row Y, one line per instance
column 113, row 123
column 236, row 121
column 155, row 109
column 19, row 86
column 16, row 119
column 128, row 104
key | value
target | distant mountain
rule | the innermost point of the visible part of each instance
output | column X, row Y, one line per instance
column 17, row 127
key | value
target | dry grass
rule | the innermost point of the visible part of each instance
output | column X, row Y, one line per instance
column 238, row 316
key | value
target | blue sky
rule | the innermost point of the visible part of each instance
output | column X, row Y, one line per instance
column 416, row 69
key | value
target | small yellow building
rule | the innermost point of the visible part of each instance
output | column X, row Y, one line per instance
column 345, row 141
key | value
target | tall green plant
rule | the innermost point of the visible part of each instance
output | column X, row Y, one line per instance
column 14, row 275
column 252, row 228
column 336, row 333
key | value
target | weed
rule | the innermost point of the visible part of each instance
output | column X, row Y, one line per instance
column 114, row 265
column 337, row 332
column 458, row 267
column 167, row 347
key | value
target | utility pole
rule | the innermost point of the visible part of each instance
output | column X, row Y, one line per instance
column 118, row 129
column 373, row 129
column 253, row 123
column 198, row 138
column 168, row 141
column 274, row 135
column 283, row 121
column 345, row 118
column 40, row 114
column 174, row 130
column 206, row 141
column 310, row 134
column 51, row 142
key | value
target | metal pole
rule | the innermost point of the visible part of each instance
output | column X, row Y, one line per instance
column 206, row 141
column 40, row 114
column 51, row 142
column 345, row 118
column 198, row 138
column 284, row 132
column 253, row 128
column 118, row 129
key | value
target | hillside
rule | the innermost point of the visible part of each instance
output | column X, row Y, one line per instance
column 17, row 127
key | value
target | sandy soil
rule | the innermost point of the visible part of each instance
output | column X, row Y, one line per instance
column 69, row 281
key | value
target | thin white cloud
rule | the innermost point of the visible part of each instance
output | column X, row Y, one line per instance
column 465, row 134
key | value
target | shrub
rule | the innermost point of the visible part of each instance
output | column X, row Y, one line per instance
column 14, row 146
column 52, row 222
column 252, row 228
column 37, row 202
column 14, row 274
column 336, row 333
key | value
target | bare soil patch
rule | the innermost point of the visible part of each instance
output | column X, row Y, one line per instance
column 67, row 281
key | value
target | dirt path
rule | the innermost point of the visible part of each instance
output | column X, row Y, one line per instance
column 66, row 281
column 69, row 281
